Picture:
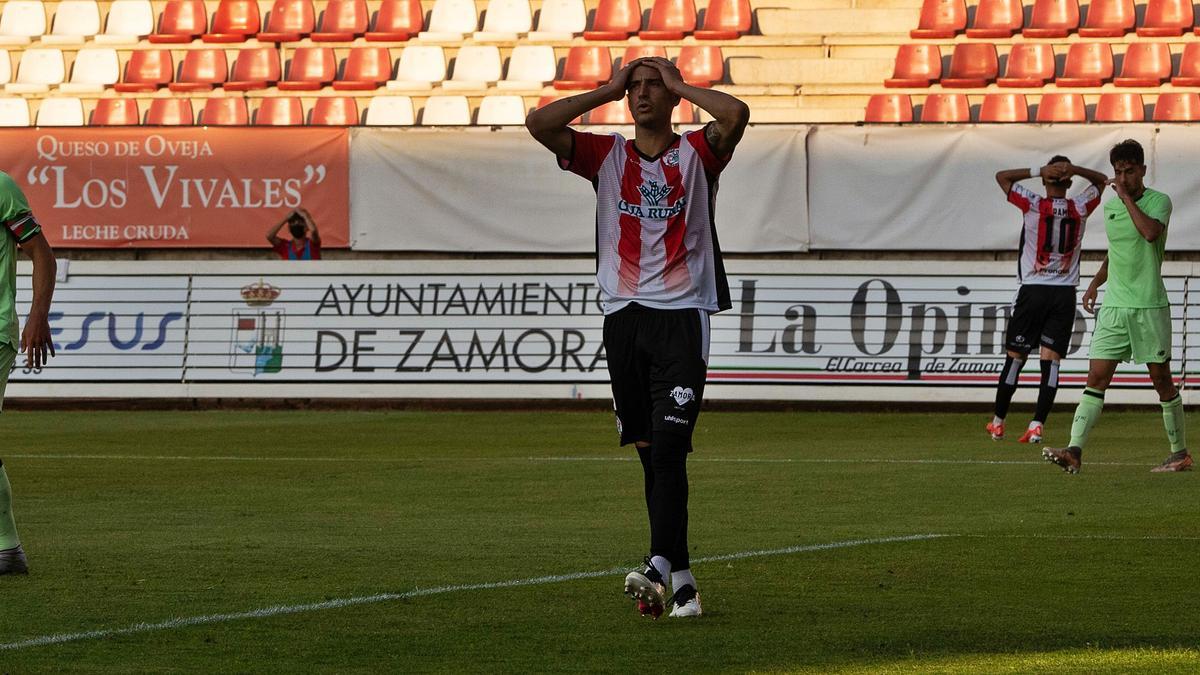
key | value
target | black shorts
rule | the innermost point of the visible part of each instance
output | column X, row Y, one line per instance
column 657, row 364
column 1042, row 316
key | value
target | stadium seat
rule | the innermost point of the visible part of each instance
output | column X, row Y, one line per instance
column 475, row 67
column 1089, row 64
column 670, row 20
column 615, row 20
column 941, row 19
column 116, row 112
column 14, row 112
column 20, row 22
column 311, row 69
column 335, row 111
column 1177, row 106
column 181, row 21
column 366, row 69
column 1120, row 107
column 499, row 111
column 289, row 21
column 1166, row 18
column 254, row 68
column 342, row 21
column 684, row 113
column 1189, row 67
column 997, row 19
column 420, row 67
column 1061, row 108
column 611, row 113
column 5, row 67
column 725, row 20
column 634, row 52
column 946, row 108
column 450, row 20
column 585, row 68
column 202, row 69
column 279, row 111
column 701, row 65
column 505, row 21
column 397, row 21
column 170, row 112
column 234, row 21
column 94, row 70
column 390, row 111
column 1108, row 18
column 529, row 67
column 1053, row 19
column 446, row 111
column 1030, row 64
column 128, row 22
column 38, row 70
column 894, row 108
column 1004, row 108
column 560, row 20
column 63, row 111
column 1146, row 64
column 74, row 22
column 225, row 112
column 972, row 65
column 917, row 65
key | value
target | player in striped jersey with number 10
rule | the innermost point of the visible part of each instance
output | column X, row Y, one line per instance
column 1043, row 315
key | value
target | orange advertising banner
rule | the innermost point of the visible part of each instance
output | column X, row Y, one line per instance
column 179, row 187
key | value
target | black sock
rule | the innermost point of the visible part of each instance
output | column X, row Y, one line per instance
column 1007, row 385
column 668, row 501
column 1047, row 390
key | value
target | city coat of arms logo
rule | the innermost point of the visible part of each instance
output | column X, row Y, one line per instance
column 256, row 345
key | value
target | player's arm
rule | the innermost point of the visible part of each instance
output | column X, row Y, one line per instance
column 35, row 339
column 1093, row 289
column 273, row 233
column 1148, row 227
column 1008, row 177
column 313, row 234
column 730, row 115
column 1094, row 177
column 550, row 124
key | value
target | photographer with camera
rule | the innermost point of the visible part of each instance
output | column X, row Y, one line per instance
column 305, row 243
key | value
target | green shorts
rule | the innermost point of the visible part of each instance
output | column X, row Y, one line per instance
column 1140, row 334
column 8, row 355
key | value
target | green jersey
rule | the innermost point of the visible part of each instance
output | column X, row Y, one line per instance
column 1134, row 264
column 18, row 227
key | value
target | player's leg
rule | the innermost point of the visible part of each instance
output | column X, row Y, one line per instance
column 12, row 556
column 1152, row 346
column 1055, row 341
column 1020, row 337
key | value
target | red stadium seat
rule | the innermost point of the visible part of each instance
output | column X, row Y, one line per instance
column 181, row 21
column 170, row 112
column 1089, row 64
column 670, row 20
column 255, row 68
column 585, row 68
column 289, row 21
column 311, row 69
column 147, row 70
column 337, row 111
column 951, row 108
column 917, row 65
column 701, row 65
column 1189, row 67
column 1120, row 107
column 615, row 20
column 1030, row 64
column 684, row 113
column 972, row 65
column 635, row 52
column 613, row 112
column 1166, row 18
column 225, row 112
column 1177, row 107
column 1004, row 108
column 397, row 21
column 1146, row 64
column 725, row 20
column 941, row 19
column 366, row 68
column 234, row 21
column 884, row 108
column 202, row 69
column 280, row 111
column 342, row 21
column 1108, row 18
column 113, row 112
column 1053, row 19
column 997, row 19
column 1062, row 108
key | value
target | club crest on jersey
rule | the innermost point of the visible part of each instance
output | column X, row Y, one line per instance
column 682, row 395
column 653, row 192
column 672, row 158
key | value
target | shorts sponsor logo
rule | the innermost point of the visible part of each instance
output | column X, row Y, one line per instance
column 676, row 420
column 682, row 395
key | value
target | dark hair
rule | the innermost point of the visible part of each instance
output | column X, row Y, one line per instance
column 1127, row 150
column 1058, row 158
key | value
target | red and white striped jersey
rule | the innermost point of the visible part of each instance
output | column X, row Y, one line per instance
column 1050, row 234
column 656, row 242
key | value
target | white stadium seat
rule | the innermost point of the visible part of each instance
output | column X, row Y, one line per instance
column 446, row 111
column 501, row 111
column 475, row 67
column 128, row 22
column 20, row 21
column 505, row 21
column 93, row 71
column 529, row 67
column 74, row 22
column 60, row 112
column 390, row 111
column 38, row 70
column 560, row 20
column 14, row 112
column 450, row 21
column 420, row 67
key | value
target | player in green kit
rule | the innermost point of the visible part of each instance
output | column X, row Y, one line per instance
column 20, row 229
column 1135, row 319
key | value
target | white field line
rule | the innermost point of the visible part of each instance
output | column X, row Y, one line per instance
column 279, row 610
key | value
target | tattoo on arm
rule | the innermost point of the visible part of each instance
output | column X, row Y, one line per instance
column 712, row 134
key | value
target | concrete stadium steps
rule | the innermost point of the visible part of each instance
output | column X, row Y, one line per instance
column 800, row 71
column 896, row 22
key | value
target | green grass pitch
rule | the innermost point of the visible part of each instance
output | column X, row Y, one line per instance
column 154, row 538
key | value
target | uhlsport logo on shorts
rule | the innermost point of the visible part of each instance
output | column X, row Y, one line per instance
column 682, row 395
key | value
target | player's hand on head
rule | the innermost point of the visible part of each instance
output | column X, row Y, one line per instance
column 36, row 343
column 672, row 78
column 619, row 83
